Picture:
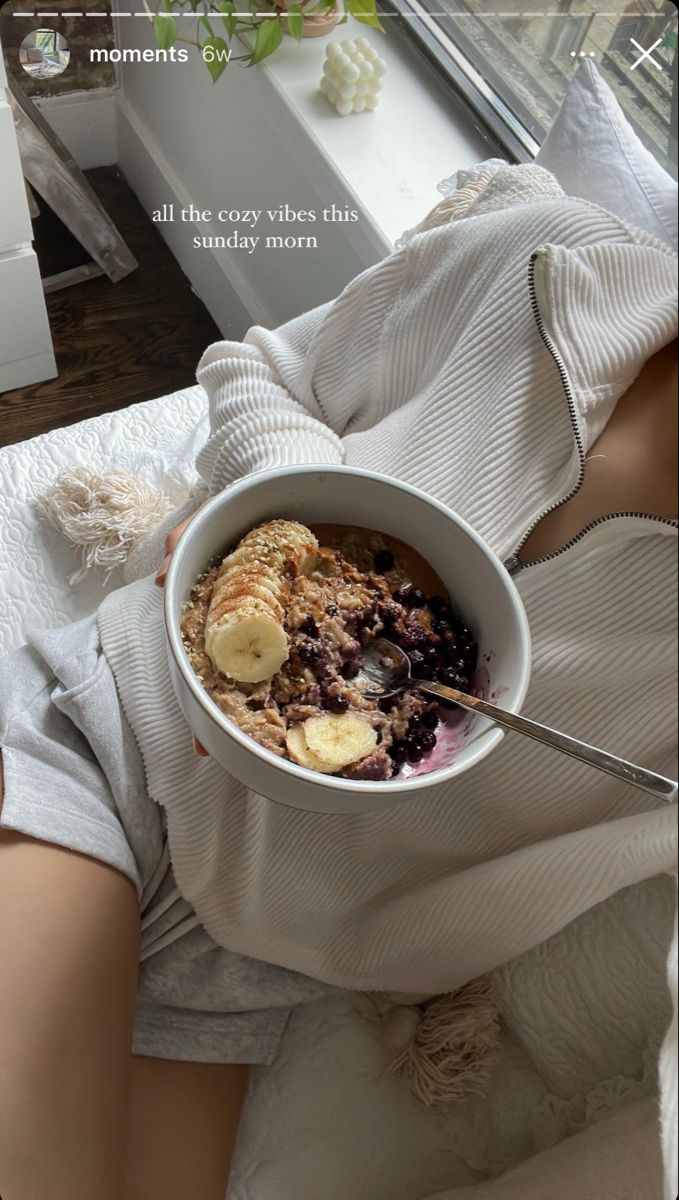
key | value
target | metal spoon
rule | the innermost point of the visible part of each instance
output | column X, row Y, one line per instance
column 385, row 671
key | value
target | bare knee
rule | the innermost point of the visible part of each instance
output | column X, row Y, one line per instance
column 184, row 1119
column 69, row 949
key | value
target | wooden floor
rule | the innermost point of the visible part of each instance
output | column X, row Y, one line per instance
column 115, row 344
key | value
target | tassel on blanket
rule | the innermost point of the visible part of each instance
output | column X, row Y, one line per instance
column 104, row 516
column 456, row 205
column 447, row 1046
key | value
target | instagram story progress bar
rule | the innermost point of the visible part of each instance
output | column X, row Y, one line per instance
column 450, row 13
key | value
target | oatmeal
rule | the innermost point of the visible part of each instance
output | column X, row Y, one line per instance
column 298, row 606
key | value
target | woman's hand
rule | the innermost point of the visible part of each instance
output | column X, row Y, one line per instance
column 171, row 540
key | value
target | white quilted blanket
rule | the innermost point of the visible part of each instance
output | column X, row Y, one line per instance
column 326, row 1122
column 158, row 439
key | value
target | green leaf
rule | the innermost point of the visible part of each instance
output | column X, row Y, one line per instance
column 229, row 21
column 365, row 11
column 295, row 21
column 216, row 54
column 165, row 29
column 206, row 25
column 269, row 37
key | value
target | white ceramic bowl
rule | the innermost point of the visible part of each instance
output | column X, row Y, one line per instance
column 479, row 586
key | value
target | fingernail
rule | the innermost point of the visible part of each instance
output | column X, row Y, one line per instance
column 199, row 750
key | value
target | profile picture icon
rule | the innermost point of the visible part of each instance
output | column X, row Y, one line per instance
column 44, row 53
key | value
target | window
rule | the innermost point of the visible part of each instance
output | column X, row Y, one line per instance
column 512, row 60
column 46, row 40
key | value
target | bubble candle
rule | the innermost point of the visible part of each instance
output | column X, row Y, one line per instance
column 352, row 76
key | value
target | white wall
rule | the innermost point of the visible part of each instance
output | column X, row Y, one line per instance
column 86, row 124
column 228, row 145
column 261, row 137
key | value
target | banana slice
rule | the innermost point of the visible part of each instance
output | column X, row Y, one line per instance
column 338, row 740
column 330, row 742
column 244, row 631
column 248, row 587
column 282, row 546
column 253, row 556
column 249, row 646
column 300, row 753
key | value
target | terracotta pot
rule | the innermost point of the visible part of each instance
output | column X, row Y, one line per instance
column 318, row 24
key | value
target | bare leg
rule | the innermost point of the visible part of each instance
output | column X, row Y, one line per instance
column 183, row 1123
column 79, row 1117
column 69, row 929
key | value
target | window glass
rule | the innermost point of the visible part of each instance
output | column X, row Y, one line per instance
column 527, row 50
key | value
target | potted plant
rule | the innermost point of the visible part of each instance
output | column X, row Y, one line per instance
column 219, row 25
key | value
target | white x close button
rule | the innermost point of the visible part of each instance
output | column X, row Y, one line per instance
column 646, row 54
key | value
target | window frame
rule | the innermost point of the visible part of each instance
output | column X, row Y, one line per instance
column 428, row 37
column 433, row 39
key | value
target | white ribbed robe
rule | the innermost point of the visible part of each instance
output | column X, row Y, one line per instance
column 431, row 367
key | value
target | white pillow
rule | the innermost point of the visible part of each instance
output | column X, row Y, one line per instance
column 595, row 154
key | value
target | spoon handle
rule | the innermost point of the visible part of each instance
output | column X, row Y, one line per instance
column 639, row 777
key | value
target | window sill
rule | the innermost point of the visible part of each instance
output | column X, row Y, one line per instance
column 391, row 159
column 266, row 136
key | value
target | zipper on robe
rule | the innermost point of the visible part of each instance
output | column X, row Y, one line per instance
column 513, row 564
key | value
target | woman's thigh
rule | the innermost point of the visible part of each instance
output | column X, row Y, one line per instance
column 79, row 1116
column 69, row 933
column 183, row 1120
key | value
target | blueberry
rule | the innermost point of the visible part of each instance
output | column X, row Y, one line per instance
column 399, row 752
column 427, row 740
column 309, row 653
column 436, row 604
column 415, row 598
column 383, row 561
column 426, row 671
column 450, row 651
column 455, row 663
column 309, row 627
column 430, row 719
column 471, row 657
column 400, row 596
column 414, row 637
column 429, row 654
column 332, row 610
column 452, row 679
column 414, row 724
column 336, row 704
column 350, row 669
column 388, row 614
column 415, row 751
column 416, row 659
column 464, row 636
